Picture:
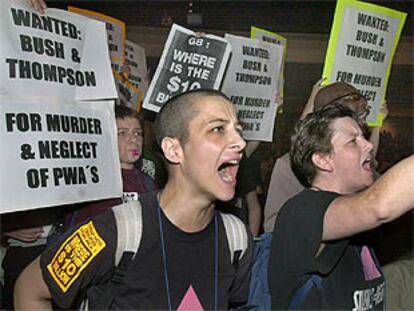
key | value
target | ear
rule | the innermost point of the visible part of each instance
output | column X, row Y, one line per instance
column 323, row 161
column 172, row 150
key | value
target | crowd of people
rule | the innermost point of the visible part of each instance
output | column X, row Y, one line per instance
column 323, row 207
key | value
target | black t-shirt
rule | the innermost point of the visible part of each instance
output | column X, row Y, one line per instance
column 350, row 281
column 189, row 256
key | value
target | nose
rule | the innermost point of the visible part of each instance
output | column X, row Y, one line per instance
column 368, row 145
column 134, row 139
column 237, row 141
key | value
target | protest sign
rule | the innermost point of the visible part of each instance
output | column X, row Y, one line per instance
column 56, row 152
column 137, row 64
column 187, row 62
column 272, row 37
column 251, row 82
column 132, row 80
column 116, row 34
column 361, row 47
column 128, row 94
column 59, row 54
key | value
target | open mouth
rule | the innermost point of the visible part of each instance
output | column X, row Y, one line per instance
column 367, row 164
column 228, row 170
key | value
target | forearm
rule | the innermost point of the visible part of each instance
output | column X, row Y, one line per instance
column 395, row 189
column 31, row 292
column 254, row 212
column 374, row 138
column 388, row 198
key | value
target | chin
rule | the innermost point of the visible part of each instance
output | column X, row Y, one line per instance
column 225, row 197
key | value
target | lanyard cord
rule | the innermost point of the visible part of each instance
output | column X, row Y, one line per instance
column 215, row 262
column 164, row 259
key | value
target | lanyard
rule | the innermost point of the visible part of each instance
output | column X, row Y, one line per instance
column 164, row 259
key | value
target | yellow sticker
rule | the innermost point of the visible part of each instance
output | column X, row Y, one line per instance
column 74, row 255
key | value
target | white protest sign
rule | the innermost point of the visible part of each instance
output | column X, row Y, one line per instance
column 361, row 47
column 56, row 152
column 116, row 34
column 137, row 62
column 128, row 94
column 272, row 37
column 251, row 83
column 60, row 54
column 187, row 62
column 131, row 81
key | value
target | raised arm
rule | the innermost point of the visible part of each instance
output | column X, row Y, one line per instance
column 31, row 292
column 374, row 138
column 311, row 100
column 388, row 198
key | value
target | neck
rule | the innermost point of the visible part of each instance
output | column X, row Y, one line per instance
column 185, row 210
column 127, row 166
column 324, row 184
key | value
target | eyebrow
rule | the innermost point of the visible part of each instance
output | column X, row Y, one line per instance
column 218, row 120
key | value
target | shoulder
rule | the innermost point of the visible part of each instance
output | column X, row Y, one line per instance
column 309, row 200
column 82, row 255
column 306, row 209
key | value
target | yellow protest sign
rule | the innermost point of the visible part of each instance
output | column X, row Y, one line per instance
column 361, row 48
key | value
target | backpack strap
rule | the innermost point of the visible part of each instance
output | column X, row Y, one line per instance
column 128, row 217
column 236, row 236
column 129, row 228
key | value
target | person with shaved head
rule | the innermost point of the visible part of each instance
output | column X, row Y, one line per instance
column 185, row 260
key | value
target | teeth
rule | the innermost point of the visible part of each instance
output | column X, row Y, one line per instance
column 233, row 162
column 226, row 177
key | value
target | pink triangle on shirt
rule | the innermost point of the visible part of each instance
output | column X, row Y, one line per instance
column 370, row 269
column 190, row 301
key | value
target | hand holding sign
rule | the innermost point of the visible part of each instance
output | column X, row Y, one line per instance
column 38, row 5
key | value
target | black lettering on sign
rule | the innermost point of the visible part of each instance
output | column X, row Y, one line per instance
column 94, row 173
column 344, row 76
column 69, row 175
column 42, row 46
column 23, row 69
column 252, row 65
column 257, row 52
column 249, row 114
column 365, row 53
column 62, row 149
column 253, row 79
column 366, row 37
column 373, row 22
column 44, row 22
column 237, row 100
column 23, row 122
column 37, row 177
column 257, row 102
column 73, row 124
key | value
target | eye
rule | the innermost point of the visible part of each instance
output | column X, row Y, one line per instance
column 218, row 129
column 122, row 133
column 353, row 141
column 138, row 133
